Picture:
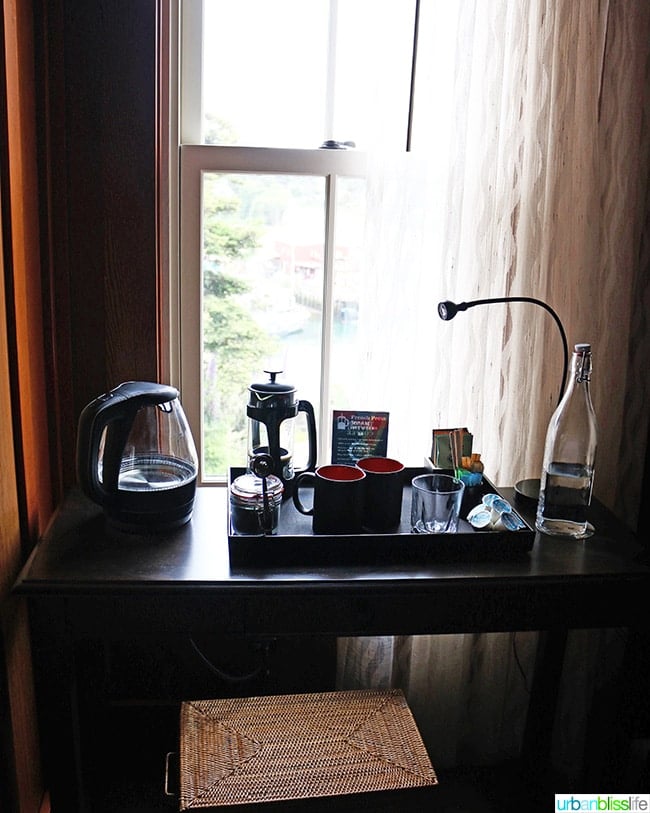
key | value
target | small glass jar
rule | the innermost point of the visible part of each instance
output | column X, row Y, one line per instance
column 250, row 513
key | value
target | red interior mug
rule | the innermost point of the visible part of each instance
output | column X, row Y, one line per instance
column 382, row 503
column 338, row 498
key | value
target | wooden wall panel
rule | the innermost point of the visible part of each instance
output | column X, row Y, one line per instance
column 20, row 777
column 103, row 96
column 77, row 175
column 25, row 486
column 96, row 65
column 9, row 560
column 26, row 333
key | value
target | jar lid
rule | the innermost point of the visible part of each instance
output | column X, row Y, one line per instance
column 248, row 487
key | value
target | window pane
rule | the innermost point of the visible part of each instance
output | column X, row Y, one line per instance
column 346, row 351
column 263, row 251
column 293, row 73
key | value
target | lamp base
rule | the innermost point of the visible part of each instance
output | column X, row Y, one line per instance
column 528, row 490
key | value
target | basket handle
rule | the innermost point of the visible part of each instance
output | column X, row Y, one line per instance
column 168, row 758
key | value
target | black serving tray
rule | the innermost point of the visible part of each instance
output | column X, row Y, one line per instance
column 296, row 544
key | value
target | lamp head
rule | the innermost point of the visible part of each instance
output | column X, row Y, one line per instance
column 447, row 310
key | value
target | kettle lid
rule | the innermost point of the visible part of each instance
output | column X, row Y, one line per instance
column 141, row 393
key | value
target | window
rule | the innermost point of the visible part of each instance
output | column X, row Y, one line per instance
column 329, row 263
column 292, row 74
column 270, row 221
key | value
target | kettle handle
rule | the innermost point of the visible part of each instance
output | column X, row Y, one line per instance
column 114, row 411
column 308, row 409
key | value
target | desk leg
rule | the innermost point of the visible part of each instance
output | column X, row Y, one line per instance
column 58, row 706
column 619, row 715
column 542, row 707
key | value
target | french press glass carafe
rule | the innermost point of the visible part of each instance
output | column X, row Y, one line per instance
column 272, row 410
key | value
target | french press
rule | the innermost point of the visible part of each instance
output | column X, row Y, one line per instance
column 272, row 410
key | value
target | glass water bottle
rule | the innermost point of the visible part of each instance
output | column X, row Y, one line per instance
column 569, row 456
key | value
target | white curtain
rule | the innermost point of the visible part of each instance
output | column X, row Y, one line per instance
column 528, row 177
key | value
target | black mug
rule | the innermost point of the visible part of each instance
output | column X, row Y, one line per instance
column 382, row 493
column 338, row 499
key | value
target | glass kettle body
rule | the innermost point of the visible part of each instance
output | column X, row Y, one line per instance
column 136, row 457
column 272, row 411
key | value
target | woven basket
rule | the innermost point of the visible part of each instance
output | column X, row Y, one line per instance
column 284, row 747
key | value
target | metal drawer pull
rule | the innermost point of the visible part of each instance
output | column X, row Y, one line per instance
column 168, row 757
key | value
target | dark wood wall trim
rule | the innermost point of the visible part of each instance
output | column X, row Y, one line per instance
column 98, row 61
column 26, row 494
column 21, row 237
column 57, row 316
column 78, row 206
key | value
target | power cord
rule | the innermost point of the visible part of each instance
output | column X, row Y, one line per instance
column 520, row 667
column 229, row 677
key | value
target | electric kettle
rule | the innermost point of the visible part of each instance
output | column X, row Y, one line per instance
column 136, row 457
column 272, row 409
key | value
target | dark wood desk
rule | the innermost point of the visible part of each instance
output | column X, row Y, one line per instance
column 84, row 582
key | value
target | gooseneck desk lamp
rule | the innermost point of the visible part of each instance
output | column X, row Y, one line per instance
column 447, row 310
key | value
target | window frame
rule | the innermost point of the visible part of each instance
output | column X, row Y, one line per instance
column 183, row 159
column 194, row 161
